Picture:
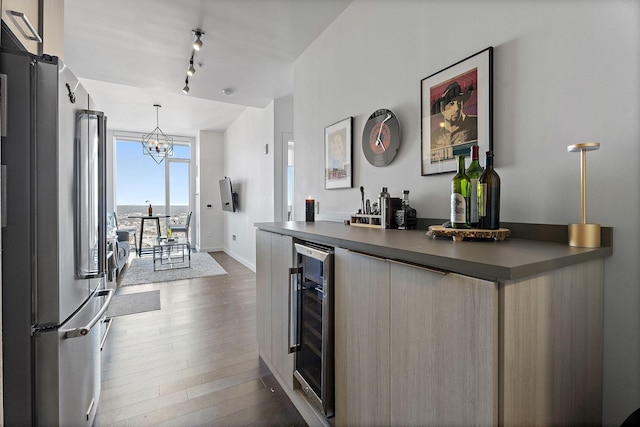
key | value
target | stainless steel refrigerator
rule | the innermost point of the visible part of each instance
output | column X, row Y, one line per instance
column 53, row 243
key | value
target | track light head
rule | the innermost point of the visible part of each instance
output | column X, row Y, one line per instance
column 191, row 71
column 197, row 44
column 185, row 89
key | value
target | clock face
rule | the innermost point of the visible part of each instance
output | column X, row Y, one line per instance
column 381, row 137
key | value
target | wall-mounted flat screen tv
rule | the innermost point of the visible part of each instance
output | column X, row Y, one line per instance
column 228, row 197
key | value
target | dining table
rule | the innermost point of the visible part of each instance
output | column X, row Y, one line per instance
column 144, row 218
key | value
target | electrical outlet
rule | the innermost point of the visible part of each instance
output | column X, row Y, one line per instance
column 233, row 237
column 317, row 207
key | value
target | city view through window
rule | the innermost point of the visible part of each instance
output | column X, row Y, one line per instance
column 140, row 182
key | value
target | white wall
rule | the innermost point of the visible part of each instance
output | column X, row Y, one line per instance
column 209, row 226
column 252, row 176
column 564, row 72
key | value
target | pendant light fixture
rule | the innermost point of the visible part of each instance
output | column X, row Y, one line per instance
column 156, row 144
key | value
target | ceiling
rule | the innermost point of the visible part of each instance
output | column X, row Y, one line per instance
column 131, row 55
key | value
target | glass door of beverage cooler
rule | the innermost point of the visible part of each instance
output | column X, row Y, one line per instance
column 314, row 325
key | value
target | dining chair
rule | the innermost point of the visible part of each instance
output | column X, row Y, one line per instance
column 131, row 230
column 182, row 228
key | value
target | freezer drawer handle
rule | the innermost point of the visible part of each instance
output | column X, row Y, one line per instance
column 80, row 332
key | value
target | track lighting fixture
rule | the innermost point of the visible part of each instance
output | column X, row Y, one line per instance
column 197, row 44
column 191, row 71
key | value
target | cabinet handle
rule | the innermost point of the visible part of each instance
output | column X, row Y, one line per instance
column 367, row 255
column 35, row 36
column 421, row 267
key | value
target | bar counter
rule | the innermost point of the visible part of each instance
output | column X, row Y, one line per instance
column 510, row 259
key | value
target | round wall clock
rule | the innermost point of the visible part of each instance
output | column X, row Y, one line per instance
column 381, row 137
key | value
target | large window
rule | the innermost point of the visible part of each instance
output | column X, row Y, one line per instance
column 140, row 181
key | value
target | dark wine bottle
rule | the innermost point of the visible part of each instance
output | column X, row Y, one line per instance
column 460, row 186
column 489, row 196
column 473, row 172
column 406, row 216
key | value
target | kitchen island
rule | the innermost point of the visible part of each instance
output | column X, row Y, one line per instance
column 434, row 332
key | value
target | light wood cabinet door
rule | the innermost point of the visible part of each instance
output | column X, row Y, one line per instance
column 552, row 327
column 282, row 260
column 263, row 292
column 361, row 340
column 443, row 348
column 30, row 10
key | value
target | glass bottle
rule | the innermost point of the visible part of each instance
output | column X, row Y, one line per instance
column 460, row 185
column 406, row 217
column 489, row 196
column 384, row 200
column 473, row 172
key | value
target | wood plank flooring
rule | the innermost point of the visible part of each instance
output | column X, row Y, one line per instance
column 195, row 361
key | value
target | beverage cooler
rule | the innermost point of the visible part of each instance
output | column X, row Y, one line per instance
column 311, row 324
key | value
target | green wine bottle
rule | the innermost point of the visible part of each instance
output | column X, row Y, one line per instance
column 460, row 186
column 473, row 172
column 489, row 196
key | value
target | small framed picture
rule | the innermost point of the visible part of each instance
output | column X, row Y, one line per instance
column 456, row 112
column 337, row 154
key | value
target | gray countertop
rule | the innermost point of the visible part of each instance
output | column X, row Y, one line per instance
column 509, row 259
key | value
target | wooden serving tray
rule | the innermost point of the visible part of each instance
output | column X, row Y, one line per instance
column 460, row 234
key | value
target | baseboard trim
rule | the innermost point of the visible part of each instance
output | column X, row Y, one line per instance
column 241, row 260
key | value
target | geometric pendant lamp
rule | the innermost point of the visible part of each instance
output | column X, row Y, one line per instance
column 156, row 144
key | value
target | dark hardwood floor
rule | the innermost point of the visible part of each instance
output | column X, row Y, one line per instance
column 195, row 361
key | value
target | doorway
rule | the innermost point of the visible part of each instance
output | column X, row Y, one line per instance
column 288, row 168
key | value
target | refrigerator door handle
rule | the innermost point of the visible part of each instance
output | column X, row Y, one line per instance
column 3, row 105
column 80, row 332
column 295, row 277
column 102, row 193
column 91, row 215
column 3, row 195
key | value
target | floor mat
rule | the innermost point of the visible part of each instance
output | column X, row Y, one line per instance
column 134, row 303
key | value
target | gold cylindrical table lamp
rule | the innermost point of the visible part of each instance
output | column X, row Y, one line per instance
column 584, row 235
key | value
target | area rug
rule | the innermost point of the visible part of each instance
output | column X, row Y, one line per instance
column 140, row 270
column 134, row 303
